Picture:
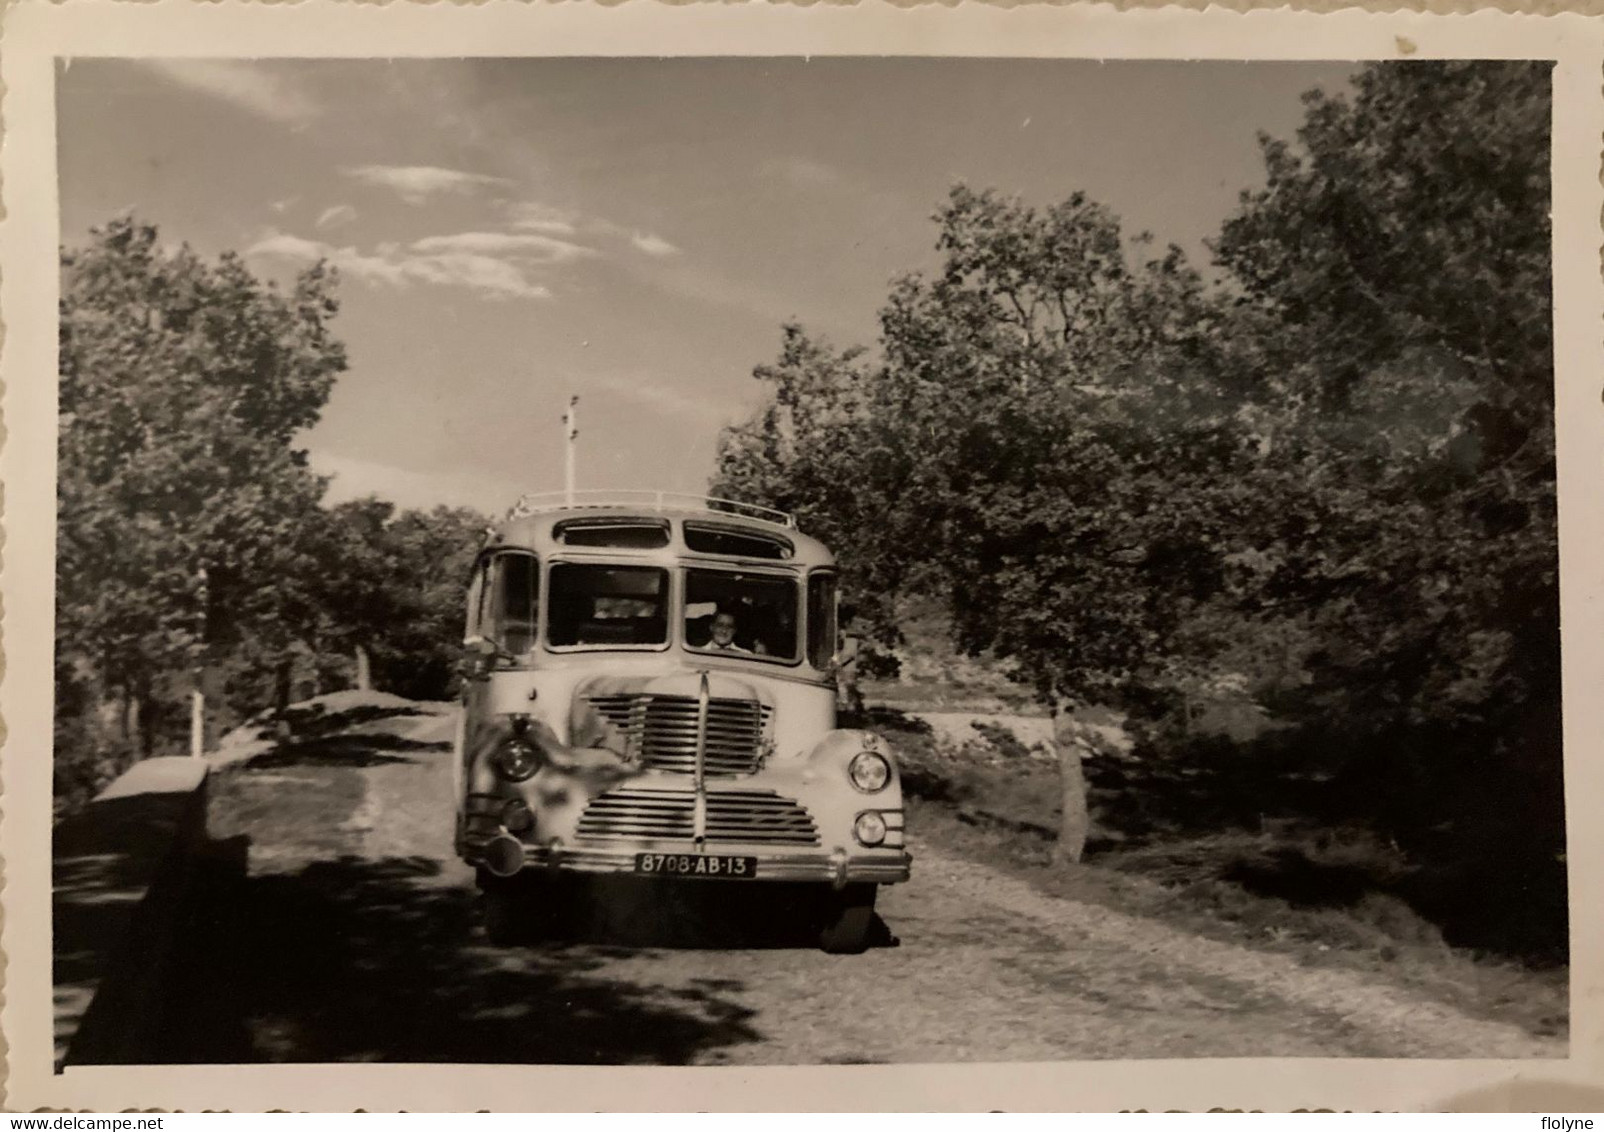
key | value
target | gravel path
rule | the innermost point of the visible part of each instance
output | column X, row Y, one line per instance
column 373, row 952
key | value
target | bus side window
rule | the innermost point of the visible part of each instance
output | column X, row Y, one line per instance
column 513, row 590
column 476, row 602
column 821, row 620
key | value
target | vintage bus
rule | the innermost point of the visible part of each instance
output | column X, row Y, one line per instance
column 648, row 689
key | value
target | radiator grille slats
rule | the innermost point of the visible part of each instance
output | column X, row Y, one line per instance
column 661, row 730
column 748, row 816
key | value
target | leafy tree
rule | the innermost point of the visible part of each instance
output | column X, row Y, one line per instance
column 180, row 494
column 391, row 585
column 191, row 531
column 1078, row 449
column 352, row 574
column 1394, row 274
column 1059, row 396
column 818, row 449
column 1331, row 472
column 1399, row 263
column 428, row 554
column 1017, row 447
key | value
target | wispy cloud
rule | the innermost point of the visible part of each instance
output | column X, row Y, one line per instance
column 538, row 216
column 495, row 278
column 655, row 260
column 285, row 246
column 393, row 266
column 250, row 86
column 335, row 216
column 499, row 264
column 417, row 184
column 523, row 245
column 652, row 245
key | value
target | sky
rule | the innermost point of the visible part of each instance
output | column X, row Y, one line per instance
column 633, row 232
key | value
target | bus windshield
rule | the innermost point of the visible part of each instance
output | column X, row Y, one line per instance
column 607, row 605
column 742, row 614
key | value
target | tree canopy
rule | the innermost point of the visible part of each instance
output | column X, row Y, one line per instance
column 191, row 531
column 1323, row 466
column 1396, row 269
column 1094, row 445
column 179, row 493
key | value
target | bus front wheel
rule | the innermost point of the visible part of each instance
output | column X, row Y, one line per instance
column 848, row 919
column 505, row 913
column 515, row 910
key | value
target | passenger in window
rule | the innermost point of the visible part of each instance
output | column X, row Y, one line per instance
column 723, row 637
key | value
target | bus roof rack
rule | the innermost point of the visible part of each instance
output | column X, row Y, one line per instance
column 636, row 500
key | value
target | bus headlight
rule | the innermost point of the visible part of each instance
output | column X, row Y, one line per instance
column 869, row 771
column 870, row 828
column 516, row 760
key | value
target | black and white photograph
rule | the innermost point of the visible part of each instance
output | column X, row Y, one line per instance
column 802, row 560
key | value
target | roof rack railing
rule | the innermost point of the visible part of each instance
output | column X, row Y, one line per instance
column 644, row 499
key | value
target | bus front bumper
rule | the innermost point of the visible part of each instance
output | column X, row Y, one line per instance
column 836, row 867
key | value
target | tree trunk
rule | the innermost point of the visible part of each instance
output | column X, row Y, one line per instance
column 1077, row 818
column 134, row 719
column 214, row 685
column 197, row 719
column 145, row 715
column 1076, row 821
column 314, row 648
column 282, row 674
column 364, row 670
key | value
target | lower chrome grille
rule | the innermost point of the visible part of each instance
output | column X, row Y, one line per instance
column 661, row 731
column 753, row 816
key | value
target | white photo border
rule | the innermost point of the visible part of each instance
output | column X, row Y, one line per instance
column 36, row 33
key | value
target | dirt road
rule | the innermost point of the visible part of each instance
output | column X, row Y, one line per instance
column 355, row 936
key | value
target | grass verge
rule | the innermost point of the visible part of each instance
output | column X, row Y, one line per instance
column 1331, row 898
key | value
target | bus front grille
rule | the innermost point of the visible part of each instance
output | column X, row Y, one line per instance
column 661, row 731
column 746, row 816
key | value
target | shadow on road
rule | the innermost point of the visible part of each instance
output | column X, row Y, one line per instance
column 628, row 912
column 363, row 960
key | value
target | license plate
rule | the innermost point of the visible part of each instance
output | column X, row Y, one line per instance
column 696, row 865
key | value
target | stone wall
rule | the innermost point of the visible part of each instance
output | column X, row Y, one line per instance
column 126, row 870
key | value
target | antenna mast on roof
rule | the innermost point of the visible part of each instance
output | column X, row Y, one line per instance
column 570, row 435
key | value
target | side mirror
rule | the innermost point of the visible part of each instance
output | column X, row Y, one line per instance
column 477, row 659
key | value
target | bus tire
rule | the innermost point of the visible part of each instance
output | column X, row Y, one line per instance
column 848, row 919
column 505, row 917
